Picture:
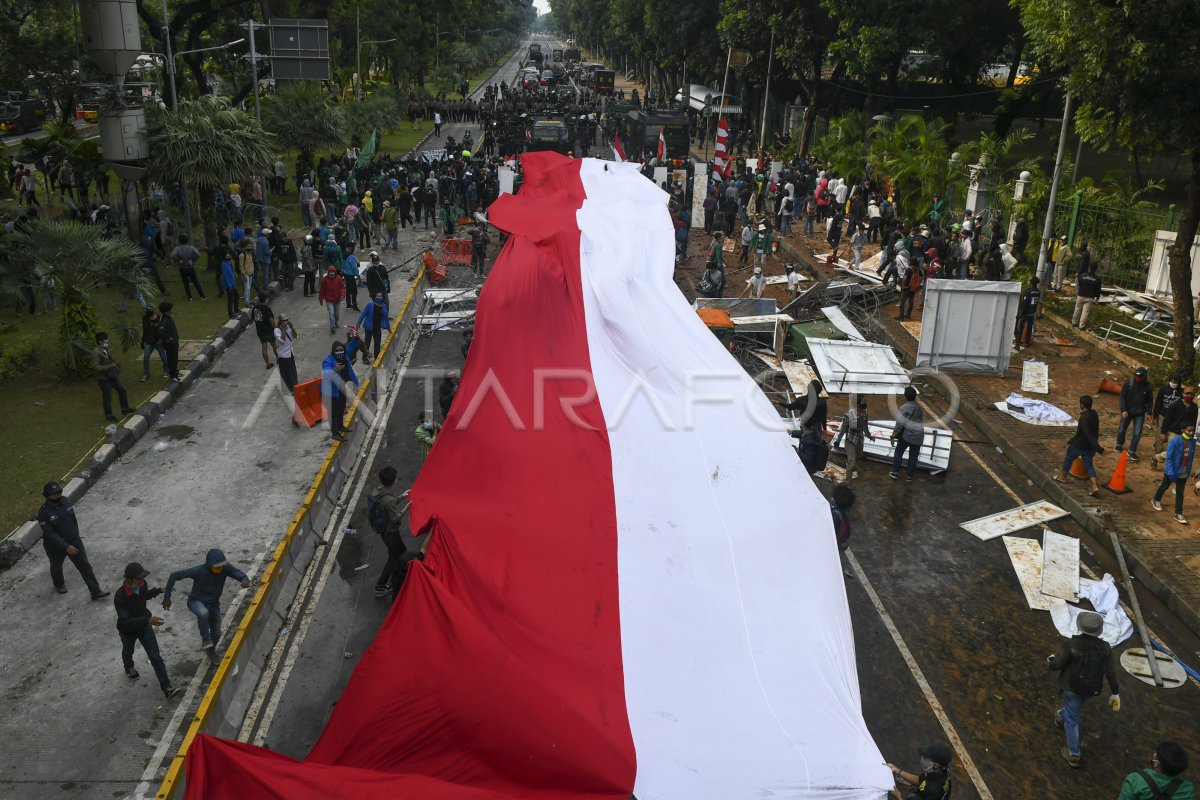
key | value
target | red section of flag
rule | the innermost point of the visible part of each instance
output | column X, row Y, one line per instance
column 618, row 150
column 662, row 145
column 498, row 672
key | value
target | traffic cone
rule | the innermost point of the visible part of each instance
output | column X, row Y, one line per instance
column 1078, row 470
column 1117, row 484
column 1110, row 387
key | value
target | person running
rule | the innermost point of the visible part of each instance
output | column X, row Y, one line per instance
column 208, row 582
column 135, row 624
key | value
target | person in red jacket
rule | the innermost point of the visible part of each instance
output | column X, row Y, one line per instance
column 331, row 293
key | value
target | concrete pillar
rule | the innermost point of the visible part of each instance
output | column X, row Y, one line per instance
column 1020, row 190
column 699, row 190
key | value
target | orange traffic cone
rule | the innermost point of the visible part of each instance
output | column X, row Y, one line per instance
column 1111, row 387
column 1117, row 484
column 1078, row 470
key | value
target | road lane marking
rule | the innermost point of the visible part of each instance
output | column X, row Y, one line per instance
column 935, row 705
column 183, row 708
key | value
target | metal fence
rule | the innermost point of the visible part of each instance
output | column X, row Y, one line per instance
column 224, row 704
column 1120, row 239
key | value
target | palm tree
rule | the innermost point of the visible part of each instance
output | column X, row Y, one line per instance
column 208, row 144
column 74, row 261
column 303, row 117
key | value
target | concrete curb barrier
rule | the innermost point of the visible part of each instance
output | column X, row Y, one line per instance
column 974, row 406
column 225, row 703
column 123, row 437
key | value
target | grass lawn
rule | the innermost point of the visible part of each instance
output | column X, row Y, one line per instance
column 56, row 423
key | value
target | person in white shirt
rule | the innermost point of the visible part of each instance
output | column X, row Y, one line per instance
column 285, row 342
column 793, row 279
column 756, row 284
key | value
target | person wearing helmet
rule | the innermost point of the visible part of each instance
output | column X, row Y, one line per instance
column 61, row 540
column 933, row 781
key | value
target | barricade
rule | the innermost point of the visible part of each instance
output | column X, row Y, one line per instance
column 456, row 251
column 223, row 707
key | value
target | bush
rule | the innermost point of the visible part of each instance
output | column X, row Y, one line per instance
column 15, row 356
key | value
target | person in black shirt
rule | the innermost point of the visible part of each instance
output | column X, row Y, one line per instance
column 168, row 337
column 136, row 624
column 264, row 327
column 1136, row 399
column 1168, row 395
column 1027, row 313
column 819, row 415
column 933, row 782
column 1084, row 444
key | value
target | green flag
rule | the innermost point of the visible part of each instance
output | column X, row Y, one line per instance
column 367, row 153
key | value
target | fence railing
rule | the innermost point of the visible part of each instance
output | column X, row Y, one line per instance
column 224, row 704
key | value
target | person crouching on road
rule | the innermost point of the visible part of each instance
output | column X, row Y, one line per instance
column 136, row 624
column 933, row 781
column 208, row 581
column 337, row 374
column 1181, row 454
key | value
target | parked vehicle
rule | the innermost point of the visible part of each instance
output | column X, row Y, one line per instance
column 21, row 113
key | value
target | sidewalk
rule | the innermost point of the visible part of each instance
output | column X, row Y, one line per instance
column 224, row 468
column 1162, row 554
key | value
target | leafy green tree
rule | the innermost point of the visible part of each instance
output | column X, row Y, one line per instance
column 75, row 261
column 1133, row 68
column 208, row 144
column 363, row 116
column 303, row 117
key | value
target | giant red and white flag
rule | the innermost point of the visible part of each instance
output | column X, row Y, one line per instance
column 606, row 608
column 721, row 150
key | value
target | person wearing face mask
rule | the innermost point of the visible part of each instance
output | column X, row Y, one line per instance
column 1180, row 415
column 1137, row 397
column 107, row 373
column 1181, row 454
column 208, row 581
column 136, row 624
column 374, row 320
column 337, row 374
column 425, row 434
column 933, row 782
column 61, row 540
column 1168, row 396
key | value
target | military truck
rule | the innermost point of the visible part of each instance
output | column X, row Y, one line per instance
column 549, row 132
column 640, row 130
column 21, row 113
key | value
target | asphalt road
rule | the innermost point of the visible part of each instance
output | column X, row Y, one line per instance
column 952, row 600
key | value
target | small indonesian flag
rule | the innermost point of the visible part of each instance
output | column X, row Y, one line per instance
column 618, row 150
column 662, row 145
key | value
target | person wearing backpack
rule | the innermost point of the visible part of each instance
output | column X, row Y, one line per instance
column 1083, row 662
column 385, row 514
column 712, row 283
column 813, row 451
column 1163, row 780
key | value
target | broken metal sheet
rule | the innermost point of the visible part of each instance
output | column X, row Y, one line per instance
column 1013, row 520
column 842, row 322
column 799, row 374
column 1026, row 557
column 857, row 367
column 934, row 454
column 444, row 319
column 739, row 306
column 441, row 296
column 1060, row 566
column 1035, row 377
column 776, row 279
column 832, row 473
column 759, row 320
column 1136, row 664
column 913, row 326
